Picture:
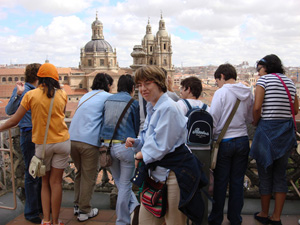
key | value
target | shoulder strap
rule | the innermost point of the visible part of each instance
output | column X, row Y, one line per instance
column 290, row 98
column 204, row 107
column 47, row 126
column 228, row 121
column 88, row 99
column 187, row 104
column 120, row 119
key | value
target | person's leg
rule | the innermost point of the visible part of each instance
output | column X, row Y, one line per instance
column 265, row 205
column 236, row 180
column 174, row 216
column 122, row 170
column 46, row 196
column 221, row 178
column 89, row 172
column 33, row 204
column 204, row 157
column 76, row 157
column 265, row 189
column 59, row 161
column 279, row 185
column 56, row 192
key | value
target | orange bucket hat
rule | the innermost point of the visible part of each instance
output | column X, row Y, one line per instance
column 48, row 70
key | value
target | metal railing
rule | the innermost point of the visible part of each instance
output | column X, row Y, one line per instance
column 5, row 161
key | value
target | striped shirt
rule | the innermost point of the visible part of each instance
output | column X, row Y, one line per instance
column 276, row 103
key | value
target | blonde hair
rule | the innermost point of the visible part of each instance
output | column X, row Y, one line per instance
column 151, row 73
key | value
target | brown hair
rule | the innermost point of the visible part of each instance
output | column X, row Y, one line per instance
column 151, row 73
column 31, row 72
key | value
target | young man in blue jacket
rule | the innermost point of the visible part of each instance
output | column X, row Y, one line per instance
column 33, row 205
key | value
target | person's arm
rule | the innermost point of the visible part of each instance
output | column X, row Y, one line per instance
column 14, row 120
column 258, row 101
column 13, row 103
column 296, row 105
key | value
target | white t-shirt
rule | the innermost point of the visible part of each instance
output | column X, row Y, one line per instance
column 193, row 102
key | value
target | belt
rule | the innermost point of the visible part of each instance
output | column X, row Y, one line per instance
column 26, row 129
column 114, row 141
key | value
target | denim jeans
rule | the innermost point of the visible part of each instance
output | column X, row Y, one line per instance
column 232, row 162
column 122, row 170
column 33, row 205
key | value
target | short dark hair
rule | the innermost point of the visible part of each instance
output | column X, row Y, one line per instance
column 272, row 63
column 227, row 70
column 31, row 72
column 194, row 84
column 110, row 79
column 100, row 82
column 126, row 83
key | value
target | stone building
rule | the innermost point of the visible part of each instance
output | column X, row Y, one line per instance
column 98, row 54
column 154, row 49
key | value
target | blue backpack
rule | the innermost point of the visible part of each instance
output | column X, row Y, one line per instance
column 199, row 125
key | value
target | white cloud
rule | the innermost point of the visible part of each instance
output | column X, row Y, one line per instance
column 226, row 31
column 56, row 7
column 58, row 40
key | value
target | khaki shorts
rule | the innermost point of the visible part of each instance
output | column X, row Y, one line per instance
column 56, row 155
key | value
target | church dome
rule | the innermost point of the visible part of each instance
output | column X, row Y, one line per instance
column 98, row 46
column 162, row 33
column 97, row 22
column 149, row 37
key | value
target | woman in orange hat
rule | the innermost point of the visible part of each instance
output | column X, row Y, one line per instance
column 57, row 145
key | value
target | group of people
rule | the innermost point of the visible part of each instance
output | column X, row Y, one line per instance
column 160, row 142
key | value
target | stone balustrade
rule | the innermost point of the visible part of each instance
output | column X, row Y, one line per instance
column 104, row 182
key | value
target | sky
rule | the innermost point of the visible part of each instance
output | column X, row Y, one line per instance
column 203, row 32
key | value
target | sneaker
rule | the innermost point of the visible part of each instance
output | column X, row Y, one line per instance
column 85, row 216
column 76, row 210
column 45, row 222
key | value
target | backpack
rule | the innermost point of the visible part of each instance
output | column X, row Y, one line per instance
column 199, row 125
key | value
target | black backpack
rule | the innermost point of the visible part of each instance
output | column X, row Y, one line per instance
column 199, row 125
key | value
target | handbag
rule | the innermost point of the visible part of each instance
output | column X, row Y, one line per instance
column 105, row 157
column 36, row 166
column 215, row 148
column 292, row 108
column 154, row 197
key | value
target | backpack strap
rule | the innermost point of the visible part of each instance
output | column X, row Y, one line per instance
column 204, row 107
column 187, row 104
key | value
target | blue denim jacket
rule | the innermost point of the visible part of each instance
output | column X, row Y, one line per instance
column 272, row 140
column 113, row 108
column 14, row 103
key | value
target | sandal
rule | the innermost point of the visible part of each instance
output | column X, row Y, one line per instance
column 263, row 220
column 272, row 222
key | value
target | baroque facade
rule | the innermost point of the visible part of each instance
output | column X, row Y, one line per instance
column 154, row 49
